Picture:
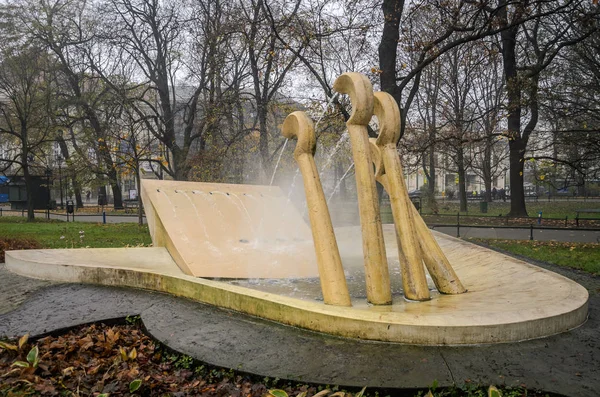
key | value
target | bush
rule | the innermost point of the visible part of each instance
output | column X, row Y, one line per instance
column 429, row 200
column 7, row 244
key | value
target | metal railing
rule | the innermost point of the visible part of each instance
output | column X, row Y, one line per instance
column 100, row 217
column 531, row 225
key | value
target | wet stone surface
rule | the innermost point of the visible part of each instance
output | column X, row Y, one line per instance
column 15, row 289
column 566, row 363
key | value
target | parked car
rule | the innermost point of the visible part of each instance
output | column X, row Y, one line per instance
column 414, row 194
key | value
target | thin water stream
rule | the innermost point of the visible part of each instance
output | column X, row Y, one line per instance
column 343, row 138
column 200, row 218
column 337, row 186
column 325, row 111
column 278, row 161
column 316, row 130
column 242, row 209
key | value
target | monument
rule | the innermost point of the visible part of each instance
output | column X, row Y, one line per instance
column 246, row 248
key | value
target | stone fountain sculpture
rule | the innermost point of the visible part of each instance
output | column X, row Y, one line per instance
column 416, row 245
column 246, row 248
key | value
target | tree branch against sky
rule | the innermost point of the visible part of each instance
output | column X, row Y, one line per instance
column 26, row 86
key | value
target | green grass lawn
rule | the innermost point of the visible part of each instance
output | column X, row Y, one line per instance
column 550, row 209
column 58, row 234
column 576, row 255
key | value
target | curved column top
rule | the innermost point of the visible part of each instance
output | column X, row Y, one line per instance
column 298, row 125
column 387, row 112
column 360, row 90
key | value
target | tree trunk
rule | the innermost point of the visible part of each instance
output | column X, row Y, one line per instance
column 264, row 138
column 392, row 14
column 138, row 183
column 102, row 191
column 580, row 184
column 111, row 174
column 515, row 142
column 180, row 165
column 487, row 170
column 488, row 189
column 64, row 150
column 517, row 192
column 26, row 175
column 28, row 188
column 77, row 191
column 117, row 195
column 462, row 188
column 431, row 176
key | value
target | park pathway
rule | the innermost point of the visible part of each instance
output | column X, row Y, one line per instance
column 509, row 233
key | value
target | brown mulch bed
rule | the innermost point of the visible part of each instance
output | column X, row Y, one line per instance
column 121, row 360
column 7, row 244
column 504, row 221
column 96, row 359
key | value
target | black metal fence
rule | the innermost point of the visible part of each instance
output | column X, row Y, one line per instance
column 99, row 217
column 537, row 225
column 576, row 221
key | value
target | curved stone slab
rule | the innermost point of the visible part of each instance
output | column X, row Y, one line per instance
column 229, row 231
column 508, row 299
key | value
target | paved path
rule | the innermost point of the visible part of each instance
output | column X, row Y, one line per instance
column 574, row 236
column 565, row 363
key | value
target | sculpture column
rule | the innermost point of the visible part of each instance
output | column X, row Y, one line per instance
column 377, row 277
column 416, row 244
column 414, row 282
column 331, row 273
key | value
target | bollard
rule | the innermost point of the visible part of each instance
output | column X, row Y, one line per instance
column 104, row 217
column 531, row 232
column 458, row 224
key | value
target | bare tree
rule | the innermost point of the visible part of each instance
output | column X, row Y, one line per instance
column 458, row 71
column 427, row 107
column 488, row 98
column 65, row 27
column 25, row 110
column 527, row 50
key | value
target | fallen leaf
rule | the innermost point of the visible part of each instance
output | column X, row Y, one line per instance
column 123, row 353
column 23, row 341
column 8, row 346
column 133, row 354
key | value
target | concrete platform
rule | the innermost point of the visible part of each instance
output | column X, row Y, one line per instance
column 566, row 363
column 508, row 299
